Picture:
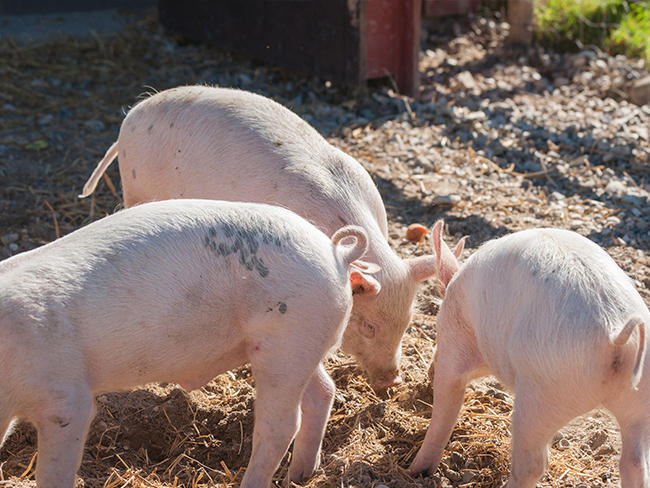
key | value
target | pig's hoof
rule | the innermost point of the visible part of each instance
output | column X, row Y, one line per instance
column 294, row 480
column 417, row 469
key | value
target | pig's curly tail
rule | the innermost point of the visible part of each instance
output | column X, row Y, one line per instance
column 354, row 252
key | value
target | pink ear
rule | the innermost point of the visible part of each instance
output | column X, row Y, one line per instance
column 447, row 262
column 422, row 267
column 363, row 284
column 458, row 250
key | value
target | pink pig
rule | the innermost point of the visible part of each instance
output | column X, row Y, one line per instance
column 553, row 317
column 225, row 144
column 178, row 291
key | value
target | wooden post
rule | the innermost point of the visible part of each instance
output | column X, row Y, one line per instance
column 520, row 17
column 393, row 42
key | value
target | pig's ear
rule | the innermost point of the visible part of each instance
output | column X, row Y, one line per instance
column 447, row 262
column 458, row 250
column 363, row 284
column 422, row 268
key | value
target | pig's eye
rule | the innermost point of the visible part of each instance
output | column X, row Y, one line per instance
column 368, row 330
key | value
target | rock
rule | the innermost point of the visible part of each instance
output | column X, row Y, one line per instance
column 466, row 80
column 446, row 200
column 45, row 119
column 640, row 91
column 563, row 444
column 454, row 476
column 616, row 188
column 468, row 475
column 94, row 126
column 9, row 239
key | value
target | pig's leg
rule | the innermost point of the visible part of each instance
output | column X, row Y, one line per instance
column 635, row 455
column 5, row 422
column 282, row 372
column 277, row 418
column 631, row 412
column 62, row 429
column 536, row 417
column 316, row 406
column 457, row 360
column 449, row 392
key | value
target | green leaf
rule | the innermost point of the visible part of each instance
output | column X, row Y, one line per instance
column 37, row 145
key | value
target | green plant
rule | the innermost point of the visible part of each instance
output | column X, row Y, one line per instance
column 617, row 25
column 632, row 36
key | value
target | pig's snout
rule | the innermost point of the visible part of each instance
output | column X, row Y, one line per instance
column 391, row 378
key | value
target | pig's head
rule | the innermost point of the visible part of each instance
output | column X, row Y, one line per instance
column 380, row 316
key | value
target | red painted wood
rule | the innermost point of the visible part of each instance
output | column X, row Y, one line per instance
column 393, row 42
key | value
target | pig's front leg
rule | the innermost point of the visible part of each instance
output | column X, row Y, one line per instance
column 449, row 392
column 277, row 418
column 62, row 429
column 316, row 407
column 282, row 372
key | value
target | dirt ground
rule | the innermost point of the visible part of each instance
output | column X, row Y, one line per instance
column 500, row 139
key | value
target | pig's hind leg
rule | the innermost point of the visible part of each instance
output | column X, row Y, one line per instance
column 630, row 407
column 537, row 415
column 62, row 424
column 316, row 406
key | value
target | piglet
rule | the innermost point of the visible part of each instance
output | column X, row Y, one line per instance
column 553, row 317
column 228, row 144
column 178, row 291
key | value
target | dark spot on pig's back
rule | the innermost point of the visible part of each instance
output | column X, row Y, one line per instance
column 282, row 308
column 260, row 266
column 133, row 173
column 245, row 241
column 150, row 129
column 171, row 125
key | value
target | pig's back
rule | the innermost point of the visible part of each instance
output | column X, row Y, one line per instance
column 172, row 250
column 551, row 300
column 216, row 143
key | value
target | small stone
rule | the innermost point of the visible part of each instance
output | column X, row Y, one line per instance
column 466, row 80
column 9, row 239
column 446, row 200
column 13, row 247
column 468, row 475
column 457, row 459
column 45, row 119
column 620, row 242
column 597, row 440
column 640, row 91
column 453, row 475
column 563, row 444
column 94, row 125
column 616, row 188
